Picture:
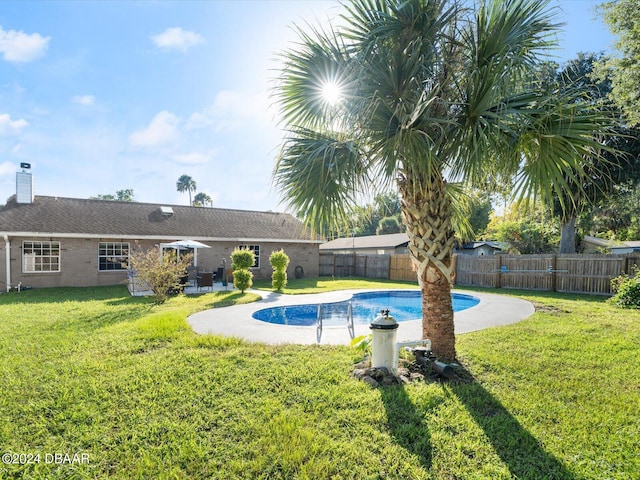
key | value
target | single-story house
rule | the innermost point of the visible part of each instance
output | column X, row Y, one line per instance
column 396, row 243
column 53, row 241
column 392, row 243
column 480, row 248
column 597, row 245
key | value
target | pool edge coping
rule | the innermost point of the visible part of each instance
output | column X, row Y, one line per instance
column 237, row 321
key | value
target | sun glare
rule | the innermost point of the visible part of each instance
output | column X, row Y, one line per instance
column 331, row 93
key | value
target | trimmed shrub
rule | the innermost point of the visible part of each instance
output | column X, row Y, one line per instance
column 242, row 279
column 279, row 262
column 241, row 261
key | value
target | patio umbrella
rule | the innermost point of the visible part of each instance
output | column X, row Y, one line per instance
column 186, row 244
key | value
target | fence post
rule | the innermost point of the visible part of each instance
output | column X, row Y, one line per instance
column 552, row 267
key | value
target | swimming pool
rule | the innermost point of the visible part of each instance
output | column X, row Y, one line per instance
column 403, row 305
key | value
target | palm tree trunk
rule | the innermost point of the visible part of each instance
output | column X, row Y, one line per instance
column 427, row 216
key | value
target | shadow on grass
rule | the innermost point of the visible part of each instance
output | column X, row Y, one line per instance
column 520, row 451
column 407, row 423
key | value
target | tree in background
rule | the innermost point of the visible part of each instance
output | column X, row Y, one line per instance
column 279, row 263
column 366, row 220
column 186, row 184
column 527, row 229
column 425, row 92
column 623, row 18
column 480, row 211
column 601, row 172
column 202, row 200
column 242, row 260
column 125, row 195
column 389, row 225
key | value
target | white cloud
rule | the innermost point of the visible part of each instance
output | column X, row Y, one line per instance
column 84, row 100
column 198, row 120
column 20, row 47
column 194, row 158
column 7, row 168
column 177, row 39
column 163, row 129
column 232, row 109
column 8, row 126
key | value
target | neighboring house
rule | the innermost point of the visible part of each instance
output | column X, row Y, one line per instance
column 53, row 241
column 396, row 243
column 369, row 245
column 598, row 245
column 480, row 249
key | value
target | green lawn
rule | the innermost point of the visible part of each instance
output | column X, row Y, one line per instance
column 127, row 386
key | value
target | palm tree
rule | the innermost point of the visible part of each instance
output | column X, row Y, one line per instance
column 202, row 199
column 426, row 93
column 186, row 184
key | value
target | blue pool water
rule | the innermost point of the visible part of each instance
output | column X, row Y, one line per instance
column 403, row 305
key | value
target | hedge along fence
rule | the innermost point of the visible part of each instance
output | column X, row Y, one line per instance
column 554, row 273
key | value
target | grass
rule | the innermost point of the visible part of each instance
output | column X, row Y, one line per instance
column 96, row 372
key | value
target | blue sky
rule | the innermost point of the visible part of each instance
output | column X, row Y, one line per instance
column 100, row 96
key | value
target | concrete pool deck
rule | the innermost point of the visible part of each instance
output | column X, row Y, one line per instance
column 236, row 321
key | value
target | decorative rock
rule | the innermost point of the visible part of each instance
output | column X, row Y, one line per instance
column 382, row 376
column 359, row 373
column 371, row 381
column 380, row 373
column 389, row 380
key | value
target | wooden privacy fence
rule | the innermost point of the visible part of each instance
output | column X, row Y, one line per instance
column 555, row 273
column 351, row 265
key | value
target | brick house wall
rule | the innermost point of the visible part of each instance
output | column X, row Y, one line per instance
column 79, row 261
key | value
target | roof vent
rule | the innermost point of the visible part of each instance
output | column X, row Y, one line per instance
column 166, row 211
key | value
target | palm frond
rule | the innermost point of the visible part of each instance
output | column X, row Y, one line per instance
column 321, row 175
column 319, row 59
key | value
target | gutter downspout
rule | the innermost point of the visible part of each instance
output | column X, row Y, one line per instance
column 7, row 246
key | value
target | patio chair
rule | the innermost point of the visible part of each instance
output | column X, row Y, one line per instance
column 192, row 273
column 205, row 280
column 220, row 274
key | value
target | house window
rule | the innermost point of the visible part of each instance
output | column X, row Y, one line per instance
column 256, row 251
column 113, row 256
column 40, row 257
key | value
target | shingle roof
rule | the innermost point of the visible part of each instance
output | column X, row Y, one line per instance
column 71, row 216
column 392, row 240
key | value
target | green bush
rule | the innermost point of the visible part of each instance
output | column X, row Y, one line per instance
column 162, row 271
column 279, row 262
column 279, row 279
column 242, row 259
column 627, row 290
column 242, row 279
